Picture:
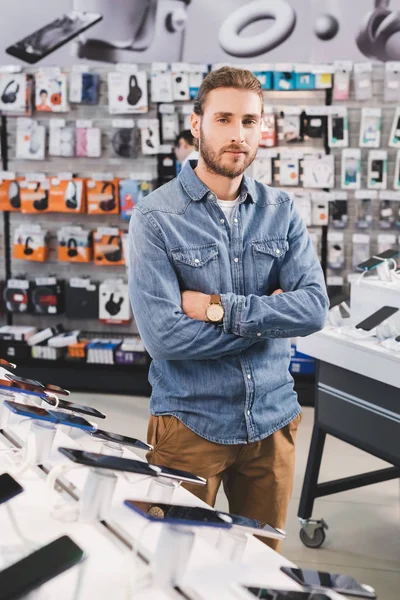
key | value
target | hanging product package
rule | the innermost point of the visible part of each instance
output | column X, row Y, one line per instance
column 127, row 92
column 48, row 296
column 75, row 244
column 364, row 208
column 34, row 194
column 51, row 91
column 130, row 192
column 30, row 243
column 102, row 196
column 370, row 128
column 108, row 247
column 10, row 198
column 67, row 195
column 114, row 304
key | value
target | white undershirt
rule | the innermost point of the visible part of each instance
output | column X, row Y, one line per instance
column 228, row 207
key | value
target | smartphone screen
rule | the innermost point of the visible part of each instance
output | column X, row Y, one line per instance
column 181, row 475
column 377, row 171
column 183, row 515
column 24, row 380
column 389, row 254
column 8, row 365
column 102, row 461
column 44, row 41
column 27, row 410
column 369, row 264
column 85, row 410
column 377, row 318
column 9, row 488
column 341, row 583
column 39, row 567
column 268, row 594
column 338, row 128
column 120, row 439
column 71, row 420
column 21, row 388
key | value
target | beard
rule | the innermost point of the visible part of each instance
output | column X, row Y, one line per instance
column 214, row 159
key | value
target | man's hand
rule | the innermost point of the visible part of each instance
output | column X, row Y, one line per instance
column 277, row 292
column 194, row 304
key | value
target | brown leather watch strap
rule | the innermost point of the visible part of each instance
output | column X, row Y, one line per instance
column 215, row 299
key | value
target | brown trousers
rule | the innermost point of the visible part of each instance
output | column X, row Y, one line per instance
column 257, row 477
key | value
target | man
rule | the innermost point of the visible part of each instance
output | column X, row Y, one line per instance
column 185, row 148
column 44, row 105
column 222, row 274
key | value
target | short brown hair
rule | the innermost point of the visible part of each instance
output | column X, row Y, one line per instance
column 227, row 77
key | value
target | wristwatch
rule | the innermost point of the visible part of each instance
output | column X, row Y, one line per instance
column 215, row 311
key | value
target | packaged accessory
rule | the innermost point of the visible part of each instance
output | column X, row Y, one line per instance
column 74, row 245
column 88, row 140
column 10, row 198
column 314, row 120
column 336, row 259
column 161, row 83
column 341, row 86
column 351, row 168
column 302, row 203
column 320, row 207
column 196, row 75
column 268, row 128
column 166, row 164
column 30, row 140
column 386, row 241
column 125, row 138
column 180, row 81
column 370, row 129
column 284, row 77
column 34, row 195
column 67, row 195
column 51, row 91
column 262, row 168
column 47, row 296
column 264, row 74
column 61, row 139
column 130, row 192
column 364, row 210
column 363, row 81
column 127, row 92
column 108, row 248
column 394, row 139
column 84, row 88
column 14, row 92
column 289, row 125
column 396, row 180
column 102, row 196
column 304, row 79
column 377, row 169
column 388, row 209
column 30, row 243
column 150, row 134
column 289, row 168
column 16, row 296
column 338, row 210
column 82, row 299
column 169, row 122
column 392, row 82
column 319, row 171
column 114, row 304
column 361, row 248
column 338, row 129
column 323, row 76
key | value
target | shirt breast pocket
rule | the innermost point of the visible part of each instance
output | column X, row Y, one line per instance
column 268, row 257
column 198, row 268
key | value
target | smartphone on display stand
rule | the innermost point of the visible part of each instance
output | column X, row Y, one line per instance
column 72, row 420
column 370, row 264
column 116, row 438
column 26, row 575
column 377, row 318
column 270, row 594
column 78, row 408
column 46, row 387
column 52, row 36
column 197, row 515
column 102, row 461
column 9, row 488
column 387, row 254
column 343, row 584
column 51, row 416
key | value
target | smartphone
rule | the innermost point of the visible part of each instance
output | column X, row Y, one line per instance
column 21, row 388
column 338, row 128
column 27, row 410
column 377, row 171
column 337, row 300
column 120, row 439
column 344, row 584
column 101, row 461
column 48, row 387
column 197, row 515
column 377, row 318
column 37, row 568
column 7, row 364
column 269, row 594
column 52, row 36
column 388, row 254
column 9, row 488
column 71, row 420
column 370, row 264
column 79, row 408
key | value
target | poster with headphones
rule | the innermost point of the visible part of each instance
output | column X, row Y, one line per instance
column 150, row 134
column 102, row 197
column 108, row 246
column 67, row 195
column 34, row 196
column 74, row 245
column 127, row 92
column 30, row 243
column 10, row 198
column 51, row 91
column 13, row 93
column 114, row 304
column 31, row 140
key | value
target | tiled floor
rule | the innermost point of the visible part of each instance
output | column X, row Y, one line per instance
column 364, row 524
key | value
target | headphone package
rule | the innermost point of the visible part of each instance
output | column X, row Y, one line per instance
column 396, row 180
column 10, row 197
column 394, row 139
column 47, row 296
column 127, row 92
column 34, row 195
column 84, row 87
column 82, row 299
column 302, row 203
column 370, row 129
column 338, row 129
column 161, row 83
column 67, row 195
column 336, row 260
column 361, row 248
column 30, row 140
column 289, row 168
column 102, row 197
column 196, row 75
column 150, row 135
column 74, row 245
column 114, row 304
column 392, row 82
column 125, row 138
column 318, row 171
column 364, row 211
column 351, row 168
column 320, row 207
column 180, row 81
column 363, row 81
column 262, row 166
column 61, row 140
column 108, row 246
column 88, row 142
column 284, row 77
column 51, row 91
column 338, row 210
column 377, row 170
column 16, row 295
column 14, row 93
column 130, row 192
column 341, row 85
column 30, row 243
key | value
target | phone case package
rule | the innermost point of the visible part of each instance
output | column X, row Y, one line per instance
column 370, row 129
column 361, row 248
column 364, row 208
column 338, row 129
column 336, row 259
column 351, row 168
column 377, row 170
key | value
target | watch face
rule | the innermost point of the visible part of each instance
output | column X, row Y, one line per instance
column 215, row 312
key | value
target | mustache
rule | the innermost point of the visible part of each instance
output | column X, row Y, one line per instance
column 244, row 149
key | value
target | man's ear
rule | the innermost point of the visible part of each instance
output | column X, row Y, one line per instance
column 195, row 125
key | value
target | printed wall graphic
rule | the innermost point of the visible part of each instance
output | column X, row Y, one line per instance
column 65, row 32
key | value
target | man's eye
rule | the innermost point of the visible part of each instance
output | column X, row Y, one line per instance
column 223, row 120
column 250, row 122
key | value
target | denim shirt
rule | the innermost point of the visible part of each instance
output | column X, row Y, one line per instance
column 228, row 383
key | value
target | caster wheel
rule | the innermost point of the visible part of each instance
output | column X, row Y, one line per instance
column 313, row 542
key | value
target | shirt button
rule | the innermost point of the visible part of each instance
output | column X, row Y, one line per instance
column 236, row 260
column 259, row 334
column 236, row 220
column 278, row 251
column 248, row 376
column 196, row 260
column 210, row 196
column 222, row 221
column 248, row 412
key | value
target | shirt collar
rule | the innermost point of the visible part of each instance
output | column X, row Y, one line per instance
column 197, row 190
